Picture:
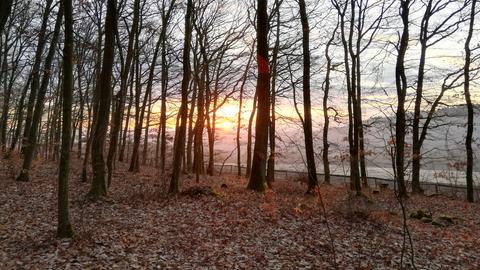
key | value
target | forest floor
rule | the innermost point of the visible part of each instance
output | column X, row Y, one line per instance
column 140, row 227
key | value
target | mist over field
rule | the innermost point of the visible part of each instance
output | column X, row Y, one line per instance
column 443, row 149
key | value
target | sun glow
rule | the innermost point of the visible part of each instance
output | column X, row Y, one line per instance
column 229, row 111
column 225, row 124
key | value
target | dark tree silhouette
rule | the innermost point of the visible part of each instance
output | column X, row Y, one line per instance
column 5, row 9
column 401, row 85
column 103, row 89
column 257, row 178
column 307, row 104
column 64, row 229
column 326, row 118
column 181, row 130
column 468, row 99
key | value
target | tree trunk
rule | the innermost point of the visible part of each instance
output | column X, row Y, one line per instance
column 179, row 145
column 137, row 130
column 199, row 126
column 466, row 87
column 326, row 118
column 191, row 127
column 249, row 138
column 121, row 156
column 98, row 187
column 164, row 81
column 307, row 106
column 401, row 85
column 353, row 154
column 240, row 107
column 416, row 147
column 145, row 138
column 5, row 9
column 20, row 109
column 93, row 108
column 120, row 99
column 273, row 81
column 257, row 180
column 64, row 228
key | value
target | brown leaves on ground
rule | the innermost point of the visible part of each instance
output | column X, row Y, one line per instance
column 210, row 226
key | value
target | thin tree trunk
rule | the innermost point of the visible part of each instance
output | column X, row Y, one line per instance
column 137, row 131
column 199, row 126
column 326, row 118
column 354, row 173
column 20, row 111
column 416, row 147
column 121, row 156
column 401, row 85
column 240, row 107
column 191, row 128
column 249, row 138
column 307, row 106
column 164, row 83
column 147, row 99
column 145, row 139
column 274, row 65
column 468, row 99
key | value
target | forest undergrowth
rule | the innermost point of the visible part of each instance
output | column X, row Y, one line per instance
column 219, row 224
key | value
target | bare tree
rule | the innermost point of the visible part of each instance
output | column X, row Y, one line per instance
column 120, row 97
column 307, row 104
column 468, row 99
column 180, row 132
column 257, row 180
column 240, row 104
column 64, row 228
column 103, row 89
column 274, row 62
column 401, row 86
column 326, row 118
column 429, row 36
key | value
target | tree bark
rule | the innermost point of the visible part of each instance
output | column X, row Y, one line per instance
column 5, row 9
column 401, row 85
column 249, row 138
column 326, row 118
column 98, row 187
column 307, row 105
column 20, row 112
column 179, row 145
column 64, row 228
column 257, row 180
column 468, row 99
column 120, row 98
column 240, row 106
column 273, row 90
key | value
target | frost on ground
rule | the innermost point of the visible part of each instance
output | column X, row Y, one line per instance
column 215, row 227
